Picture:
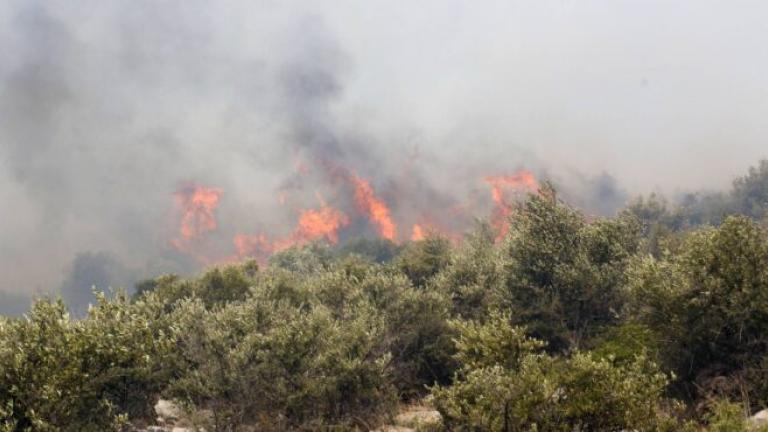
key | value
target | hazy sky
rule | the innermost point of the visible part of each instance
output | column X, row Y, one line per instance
column 106, row 108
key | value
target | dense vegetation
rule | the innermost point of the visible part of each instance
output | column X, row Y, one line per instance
column 648, row 321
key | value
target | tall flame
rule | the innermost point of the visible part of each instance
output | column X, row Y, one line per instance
column 198, row 205
column 521, row 181
column 373, row 207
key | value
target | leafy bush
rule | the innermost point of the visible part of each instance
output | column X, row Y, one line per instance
column 375, row 250
column 564, row 276
column 474, row 277
column 415, row 320
column 493, row 343
column 422, row 260
column 92, row 374
column 216, row 287
column 507, row 384
column 271, row 365
column 624, row 342
column 727, row 417
column 710, row 302
column 303, row 259
column 419, row 338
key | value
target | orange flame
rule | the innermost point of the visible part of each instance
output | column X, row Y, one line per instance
column 252, row 245
column 314, row 224
column 420, row 231
column 373, row 207
column 197, row 204
column 522, row 181
column 417, row 233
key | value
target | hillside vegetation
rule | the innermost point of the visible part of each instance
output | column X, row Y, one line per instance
column 653, row 320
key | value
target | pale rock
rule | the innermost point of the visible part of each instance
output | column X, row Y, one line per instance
column 390, row 428
column 167, row 410
column 418, row 416
column 759, row 419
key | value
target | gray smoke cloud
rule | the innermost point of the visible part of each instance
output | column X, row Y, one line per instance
column 108, row 108
column 94, row 270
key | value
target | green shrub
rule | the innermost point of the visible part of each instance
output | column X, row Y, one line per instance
column 420, row 261
column 710, row 303
column 303, row 259
column 493, row 343
column 375, row 250
column 474, row 277
column 419, row 338
column 564, row 275
column 624, row 342
column 269, row 364
column 506, row 384
column 92, row 374
column 726, row 416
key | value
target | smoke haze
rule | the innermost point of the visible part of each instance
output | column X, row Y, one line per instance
column 108, row 109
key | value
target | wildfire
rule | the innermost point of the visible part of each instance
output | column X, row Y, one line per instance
column 313, row 224
column 422, row 230
column 522, row 181
column 417, row 233
column 257, row 245
column 197, row 204
column 373, row 207
column 322, row 223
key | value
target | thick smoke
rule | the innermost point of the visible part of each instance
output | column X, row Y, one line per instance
column 97, row 270
column 109, row 108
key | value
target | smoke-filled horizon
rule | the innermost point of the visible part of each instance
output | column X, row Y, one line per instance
column 308, row 112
